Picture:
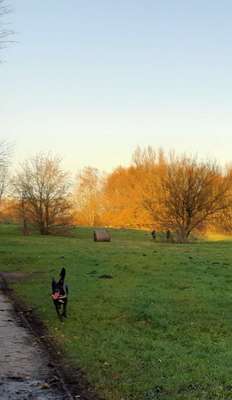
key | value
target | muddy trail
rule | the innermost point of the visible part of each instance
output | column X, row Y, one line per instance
column 26, row 370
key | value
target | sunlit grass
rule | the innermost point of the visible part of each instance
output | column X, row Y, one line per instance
column 212, row 236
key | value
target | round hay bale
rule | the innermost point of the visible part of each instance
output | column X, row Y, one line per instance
column 101, row 235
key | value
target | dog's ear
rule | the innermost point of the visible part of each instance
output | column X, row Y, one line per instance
column 54, row 285
column 62, row 274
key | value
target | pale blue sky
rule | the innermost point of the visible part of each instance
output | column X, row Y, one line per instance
column 91, row 80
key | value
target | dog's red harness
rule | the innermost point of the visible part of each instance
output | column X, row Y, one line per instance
column 58, row 297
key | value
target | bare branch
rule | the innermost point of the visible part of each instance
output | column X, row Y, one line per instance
column 5, row 33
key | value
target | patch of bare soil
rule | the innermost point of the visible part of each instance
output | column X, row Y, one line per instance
column 12, row 277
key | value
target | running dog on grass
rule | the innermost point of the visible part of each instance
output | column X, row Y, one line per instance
column 60, row 295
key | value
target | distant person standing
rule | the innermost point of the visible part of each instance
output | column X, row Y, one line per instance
column 168, row 235
column 153, row 234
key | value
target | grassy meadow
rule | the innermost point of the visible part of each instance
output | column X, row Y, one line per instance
column 148, row 320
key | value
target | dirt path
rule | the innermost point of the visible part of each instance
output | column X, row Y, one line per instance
column 26, row 372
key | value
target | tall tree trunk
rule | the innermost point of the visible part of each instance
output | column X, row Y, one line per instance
column 183, row 234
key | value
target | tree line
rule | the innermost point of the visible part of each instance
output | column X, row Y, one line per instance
column 157, row 191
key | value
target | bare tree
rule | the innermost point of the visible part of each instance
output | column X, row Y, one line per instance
column 5, row 154
column 42, row 189
column 5, row 33
column 191, row 193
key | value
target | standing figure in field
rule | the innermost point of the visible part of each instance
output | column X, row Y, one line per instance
column 153, row 234
column 60, row 295
column 168, row 235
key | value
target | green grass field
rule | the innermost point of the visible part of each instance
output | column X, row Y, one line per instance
column 161, row 328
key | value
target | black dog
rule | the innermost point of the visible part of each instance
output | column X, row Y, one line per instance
column 60, row 295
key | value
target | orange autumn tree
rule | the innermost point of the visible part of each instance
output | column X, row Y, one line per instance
column 130, row 193
column 122, row 202
column 151, row 166
column 87, row 197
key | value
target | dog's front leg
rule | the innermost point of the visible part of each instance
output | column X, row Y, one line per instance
column 58, row 311
column 64, row 314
